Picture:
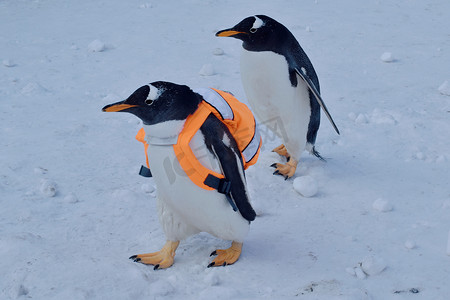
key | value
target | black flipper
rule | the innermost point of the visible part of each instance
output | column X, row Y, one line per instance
column 230, row 161
column 316, row 95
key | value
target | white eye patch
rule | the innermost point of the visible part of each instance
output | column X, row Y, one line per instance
column 154, row 92
column 257, row 24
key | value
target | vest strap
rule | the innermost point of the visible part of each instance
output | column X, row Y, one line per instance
column 223, row 186
column 145, row 172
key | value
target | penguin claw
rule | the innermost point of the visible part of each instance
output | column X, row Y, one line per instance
column 274, row 165
column 286, row 170
column 213, row 253
column 226, row 257
column 161, row 259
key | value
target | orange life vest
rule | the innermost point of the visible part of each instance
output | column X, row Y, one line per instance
column 235, row 115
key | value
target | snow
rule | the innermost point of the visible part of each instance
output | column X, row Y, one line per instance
column 8, row 63
column 207, row 70
column 387, row 57
column 147, row 188
column 76, row 244
column 218, row 51
column 444, row 88
column 48, row 188
column 373, row 265
column 359, row 273
column 448, row 244
column 96, row 46
column 382, row 205
column 409, row 244
column 305, row 186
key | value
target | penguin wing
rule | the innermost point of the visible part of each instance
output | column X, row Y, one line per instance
column 222, row 145
column 316, row 93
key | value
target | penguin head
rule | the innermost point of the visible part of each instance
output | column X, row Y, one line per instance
column 158, row 102
column 258, row 33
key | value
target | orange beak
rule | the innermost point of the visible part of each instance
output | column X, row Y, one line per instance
column 117, row 107
column 228, row 32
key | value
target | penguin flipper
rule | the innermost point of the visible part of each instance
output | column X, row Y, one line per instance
column 227, row 153
column 316, row 95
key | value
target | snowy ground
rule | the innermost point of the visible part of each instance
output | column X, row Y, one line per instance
column 73, row 208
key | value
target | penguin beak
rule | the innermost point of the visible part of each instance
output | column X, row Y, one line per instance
column 228, row 32
column 119, row 106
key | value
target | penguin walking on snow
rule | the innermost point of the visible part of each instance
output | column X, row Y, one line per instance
column 281, row 86
column 185, row 208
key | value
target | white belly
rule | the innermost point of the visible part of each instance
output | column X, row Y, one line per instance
column 184, row 208
column 283, row 108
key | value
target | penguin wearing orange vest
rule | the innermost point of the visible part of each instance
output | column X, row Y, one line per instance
column 184, row 208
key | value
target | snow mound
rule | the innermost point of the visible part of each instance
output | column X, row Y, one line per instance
column 387, row 57
column 361, row 119
column 96, row 46
column 360, row 273
column 444, row 88
column 8, row 63
column 218, row 51
column 147, row 188
column 382, row 205
column 207, row 70
column 305, row 186
column 373, row 265
column 409, row 244
column 48, row 188
column 71, row 198
column 146, row 5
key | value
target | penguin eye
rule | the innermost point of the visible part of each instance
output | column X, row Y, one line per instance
column 253, row 30
column 149, row 101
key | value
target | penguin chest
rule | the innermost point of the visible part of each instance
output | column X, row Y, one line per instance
column 184, row 207
column 276, row 103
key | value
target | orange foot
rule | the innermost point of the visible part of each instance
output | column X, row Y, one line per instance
column 287, row 170
column 227, row 256
column 161, row 259
column 281, row 150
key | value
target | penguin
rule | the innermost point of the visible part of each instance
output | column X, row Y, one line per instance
column 281, row 86
column 184, row 208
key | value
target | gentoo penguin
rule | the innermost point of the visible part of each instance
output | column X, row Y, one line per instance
column 184, row 208
column 281, row 86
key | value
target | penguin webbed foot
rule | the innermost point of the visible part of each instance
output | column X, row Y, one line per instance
column 286, row 170
column 161, row 259
column 226, row 256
